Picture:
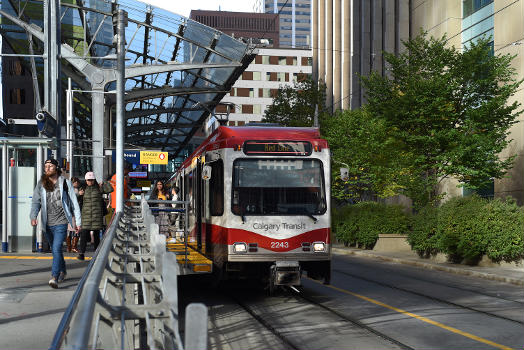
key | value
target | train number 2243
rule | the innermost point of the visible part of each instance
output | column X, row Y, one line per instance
column 279, row 245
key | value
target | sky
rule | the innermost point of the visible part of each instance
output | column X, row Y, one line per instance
column 184, row 7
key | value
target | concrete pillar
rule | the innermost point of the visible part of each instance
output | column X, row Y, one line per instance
column 337, row 52
column 314, row 42
column 403, row 21
column 97, row 120
column 322, row 40
column 356, row 57
column 377, row 37
column 329, row 54
column 346, row 58
column 389, row 27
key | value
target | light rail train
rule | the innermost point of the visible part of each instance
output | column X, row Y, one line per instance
column 259, row 203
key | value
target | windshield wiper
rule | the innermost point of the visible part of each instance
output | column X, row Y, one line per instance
column 312, row 217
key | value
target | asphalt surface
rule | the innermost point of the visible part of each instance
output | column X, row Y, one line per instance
column 481, row 301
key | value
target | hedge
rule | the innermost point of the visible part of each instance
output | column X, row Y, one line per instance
column 464, row 228
column 360, row 224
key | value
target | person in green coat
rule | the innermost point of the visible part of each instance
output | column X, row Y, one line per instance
column 93, row 209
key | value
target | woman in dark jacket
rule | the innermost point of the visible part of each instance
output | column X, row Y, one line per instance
column 161, row 217
column 93, row 209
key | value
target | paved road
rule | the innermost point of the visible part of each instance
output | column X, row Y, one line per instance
column 30, row 310
column 370, row 304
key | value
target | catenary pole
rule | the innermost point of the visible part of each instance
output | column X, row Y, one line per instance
column 120, row 89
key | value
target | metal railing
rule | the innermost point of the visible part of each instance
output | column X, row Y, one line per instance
column 127, row 297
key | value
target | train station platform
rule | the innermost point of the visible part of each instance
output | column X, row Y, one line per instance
column 30, row 310
column 189, row 260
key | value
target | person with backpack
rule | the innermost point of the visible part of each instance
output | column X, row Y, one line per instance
column 93, row 205
column 55, row 197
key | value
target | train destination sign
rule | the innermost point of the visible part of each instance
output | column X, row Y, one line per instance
column 277, row 148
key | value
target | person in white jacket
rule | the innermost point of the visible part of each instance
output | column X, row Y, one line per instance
column 55, row 197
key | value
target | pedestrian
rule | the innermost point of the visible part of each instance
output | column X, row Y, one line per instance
column 76, row 183
column 162, row 218
column 126, row 186
column 92, row 211
column 72, row 236
column 55, row 197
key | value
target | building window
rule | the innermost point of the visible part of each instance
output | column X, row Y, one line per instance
column 245, row 92
column 471, row 6
column 282, row 61
column 247, row 109
column 281, row 76
column 307, row 61
column 271, row 76
column 265, row 92
column 256, row 109
column 487, row 191
column 265, row 59
column 247, row 76
column 257, row 76
column 17, row 96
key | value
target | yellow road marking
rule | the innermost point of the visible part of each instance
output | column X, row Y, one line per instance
column 37, row 257
column 421, row 318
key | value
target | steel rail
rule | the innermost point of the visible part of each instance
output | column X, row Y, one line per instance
column 127, row 297
column 103, row 252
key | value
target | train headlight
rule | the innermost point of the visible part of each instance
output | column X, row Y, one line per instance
column 240, row 247
column 319, row 247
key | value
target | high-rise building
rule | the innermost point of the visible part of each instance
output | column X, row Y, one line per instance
column 349, row 38
column 257, row 26
column 253, row 92
column 294, row 23
column 273, row 67
column 464, row 22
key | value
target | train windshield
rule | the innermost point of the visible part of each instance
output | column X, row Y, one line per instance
column 278, row 187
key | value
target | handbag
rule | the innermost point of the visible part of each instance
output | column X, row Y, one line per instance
column 104, row 207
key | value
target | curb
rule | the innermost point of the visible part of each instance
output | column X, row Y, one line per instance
column 429, row 266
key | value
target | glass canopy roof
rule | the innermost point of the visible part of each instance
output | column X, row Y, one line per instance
column 164, row 106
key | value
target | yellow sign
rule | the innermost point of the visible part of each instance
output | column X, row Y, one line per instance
column 153, row 157
column 143, row 183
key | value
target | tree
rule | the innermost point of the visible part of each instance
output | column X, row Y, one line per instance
column 295, row 105
column 377, row 162
column 448, row 110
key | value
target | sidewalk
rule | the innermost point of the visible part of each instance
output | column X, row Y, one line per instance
column 513, row 275
column 30, row 310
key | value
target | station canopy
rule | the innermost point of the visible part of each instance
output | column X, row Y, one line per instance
column 177, row 70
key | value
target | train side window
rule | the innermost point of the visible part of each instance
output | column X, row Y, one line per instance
column 216, row 188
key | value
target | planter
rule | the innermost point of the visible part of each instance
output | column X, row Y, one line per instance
column 392, row 243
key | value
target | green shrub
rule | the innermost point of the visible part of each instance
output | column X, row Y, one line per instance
column 466, row 228
column 423, row 235
column 361, row 223
column 460, row 232
column 344, row 226
column 504, row 222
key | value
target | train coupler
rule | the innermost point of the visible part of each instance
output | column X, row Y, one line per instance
column 285, row 273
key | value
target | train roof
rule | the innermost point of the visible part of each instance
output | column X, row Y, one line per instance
column 267, row 133
column 228, row 136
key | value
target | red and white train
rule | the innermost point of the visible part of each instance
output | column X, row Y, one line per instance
column 259, row 203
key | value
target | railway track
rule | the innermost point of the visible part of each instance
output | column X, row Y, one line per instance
column 440, row 300
column 330, row 323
